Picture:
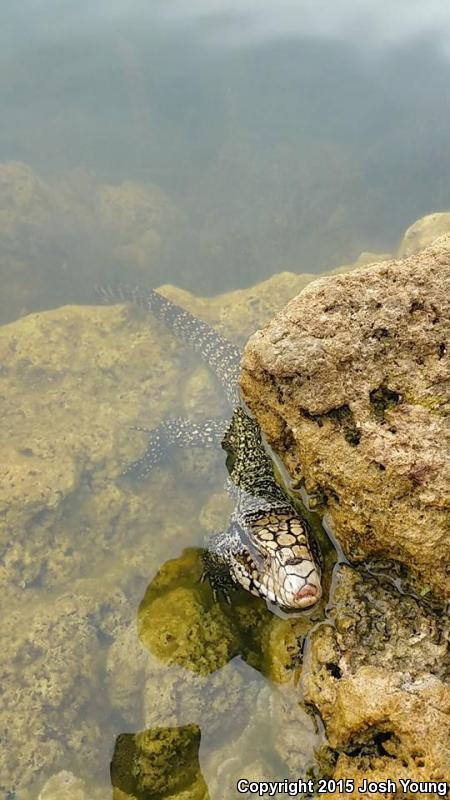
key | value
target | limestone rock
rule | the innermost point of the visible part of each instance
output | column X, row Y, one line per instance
column 350, row 383
column 378, row 674
column 423, row 233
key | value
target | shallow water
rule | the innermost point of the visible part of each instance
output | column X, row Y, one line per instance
column 208, row 146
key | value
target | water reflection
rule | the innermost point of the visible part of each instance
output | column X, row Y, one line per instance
column 365, row 23
column 293, row 152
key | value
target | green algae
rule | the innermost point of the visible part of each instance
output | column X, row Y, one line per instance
column 179, row 622
column 158, row 763
column 382, row 400
column 178, row 629
column 436, row 404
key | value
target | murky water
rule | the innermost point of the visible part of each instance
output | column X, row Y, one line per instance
column 211, row 146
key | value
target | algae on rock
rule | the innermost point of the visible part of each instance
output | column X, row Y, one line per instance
column 159, row 762
column 423, row 232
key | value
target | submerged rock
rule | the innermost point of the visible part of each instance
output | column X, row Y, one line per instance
column 51, row 662
column 423, row 233
column 64, row 786
column 178, row 628
column 158, row 763
column 350, row 383
column 52, row 230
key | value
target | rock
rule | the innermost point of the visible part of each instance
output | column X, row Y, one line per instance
column 350, row 383
column 192, row 641
column 364, row 258
column 238, row 313
column 135, row 216
column 423, row 233
column 216, row 512
column 294, row 732
column 220, row 703
column 159, row 762
column 51, row 661
column 26, row 205
column 66, row 435
column 126, row 666
column 282, row 643
column 378, row 674
column 64, row 786
column 178, row 628
column 53, row 230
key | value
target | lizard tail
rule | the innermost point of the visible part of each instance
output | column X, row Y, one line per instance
column 222, row 356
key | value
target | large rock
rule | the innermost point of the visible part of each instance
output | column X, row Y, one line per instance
column 378, row 673
column 350, row 383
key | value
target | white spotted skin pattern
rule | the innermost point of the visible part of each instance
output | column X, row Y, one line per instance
column 222, row 356
column 290, row 576
column 276, row 558
column 178, row 432
column 267, row 548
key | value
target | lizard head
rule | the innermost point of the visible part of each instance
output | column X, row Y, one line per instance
column 283, row 564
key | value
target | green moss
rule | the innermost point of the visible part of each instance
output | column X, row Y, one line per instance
column 342, row 416
column 157, row 763
column 382, row 399
column 436, row 403
column 179, row 623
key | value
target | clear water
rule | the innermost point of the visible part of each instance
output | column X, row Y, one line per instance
column 209, row 145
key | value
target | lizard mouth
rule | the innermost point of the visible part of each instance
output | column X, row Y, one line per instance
column 307, row 596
